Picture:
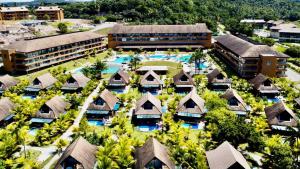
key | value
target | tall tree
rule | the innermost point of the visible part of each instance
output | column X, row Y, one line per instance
column 197, row 58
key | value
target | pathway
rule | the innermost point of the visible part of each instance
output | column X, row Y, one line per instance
column 292, row 75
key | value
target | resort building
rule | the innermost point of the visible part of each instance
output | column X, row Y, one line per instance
column 191, row 108
column 35, row 54
column 7, row 82
column 280, row 116
column 75, row 83
column 50, row 111
column 79, row 155
column 249, row 59
column 218, row 81
column 104, row 106
column 276, row 29
column 119, row 80
column 289, row 35
column 150, row 82
column 225, row 156
column 14, row 13
column 256, row 23
column 6, row 106
column 148, row 111
column 49, row 12
column 153, row 155
column 183, row 82
column 236, row 103
column 161, row 70
column 263, row 86
column 43, row 82
column 159, row 36
column 272, row 23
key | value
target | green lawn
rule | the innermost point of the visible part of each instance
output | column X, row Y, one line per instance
column 174, row 67
column 103, row 31
column 31, row 154
column 279, row 48
column 55, row 24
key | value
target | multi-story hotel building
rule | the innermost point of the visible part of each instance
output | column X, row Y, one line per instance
column 54, row 13
column 289, row 35
column 34, row 54
column 249, row 59
column 13, row 13
column 159, row 36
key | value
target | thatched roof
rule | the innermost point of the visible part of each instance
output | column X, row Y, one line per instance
column 124, row 78
column 46, row 80
column 244, row 48
column 225, row 156
column 8, row 81
column 110, row 101
column 124, row 29
column 152, row 149
column 272, row 113
column 52, row 41
column 80, row 79
column 82, row 151
column 212, row 77
column 5, row 107
column 231, row 93
column 56, row 105
column 155, row 101
column 14, row 9
column 156, row 80
column 48, row 8
column 258, row 83
column 198, row 109
column 153, row 68
column 177, row 79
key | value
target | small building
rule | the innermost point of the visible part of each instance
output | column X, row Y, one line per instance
column 148, row 110
column 42, row 82
column 183, row 82
column 104, row 106
column 53, row 12
column 289, row 35
column 150, row 82
column 161, row 70
column 256, row 23
column 191, row 108
column 271, row 23
column 263, row 86
column 119, row 80
column 7, row 82
column 79, row 155
column 75, row 83
column 14, row 13
column 225, row 156
column 50, row 111
column 218, row 81
column 236, row 103
column 275, row 29
column 153, row 155
column 280, row 116
column 6, row 106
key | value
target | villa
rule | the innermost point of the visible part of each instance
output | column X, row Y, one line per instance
column 275, row 30
column 148, row 110
column 235, row 102
column 256, row 23
column 280, row 116
column 191, row 108
column 183, row 82
column 153, row 155
column 7, row 82
column 161, row 70
column 54, row 13
column 225, row 156
column 263, row 86
column 6, row 106
column 50, row 111
column 151, row 82
column 79, row 155
column 75, row 83
column 218, row 81
column 104, row 106
column 42, row 82
column 14, row 13
column 119, row 80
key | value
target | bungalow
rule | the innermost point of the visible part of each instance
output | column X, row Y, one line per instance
column 153, row 155
column 42, row 82
column 263, row 86
column 218, row 81
column 104, row 106
column 79, row 155
column 191, row 108
column 75, row 83
column 50, row 111
column 148, row 110
column 6, row 82
column 225, row 156
column 6, row 106
column 235, row 102
column 161, row 70
column 183, row 82
column 280, row 116
column 151, row 82
column 119, row 80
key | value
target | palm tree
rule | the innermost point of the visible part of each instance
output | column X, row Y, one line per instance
column 197, row 57
column 294, row 140
column 99, row 67
column 23, row 135
column 60, row 145
column 134, row 61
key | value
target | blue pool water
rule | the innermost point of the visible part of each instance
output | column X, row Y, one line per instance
column 118, row 91
column 202, row 65
column 111, row 69
column 95, row 123
column 33, row 131
column 123, row 59
column 157, row 56
column 164, row 109
column 148, row 127
column 78, row 70
column 273, row 100
column 188, row 125
column 28, row 97
column 185, row 58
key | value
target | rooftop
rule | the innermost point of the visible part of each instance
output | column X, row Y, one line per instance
column 13, row 9
column 290, row 30
column 48, row 8
column 253, row 21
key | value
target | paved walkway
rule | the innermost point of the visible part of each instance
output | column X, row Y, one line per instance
column 292, row 75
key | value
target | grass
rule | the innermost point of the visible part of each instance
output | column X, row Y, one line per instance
column 103, row 31
column 279, row 48
column 174, row 67
column 31, row 154
column 297, row 23
column 55, row 24
column 46, row 161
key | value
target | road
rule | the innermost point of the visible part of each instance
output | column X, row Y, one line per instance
column 292, row 75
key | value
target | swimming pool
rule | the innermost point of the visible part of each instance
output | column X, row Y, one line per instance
column 157, row 57
column 95, row 122
column 28, row 97
column 33, row 131
column 273, row 100
column 202, row 65
column 185, row 58
column 192, row 125
column 111, row 69
column 147, row 127
column 122, row 59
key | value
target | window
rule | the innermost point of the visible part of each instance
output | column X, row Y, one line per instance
column 71, row 80
column 44, row 109
column 148, row 106
column 117, row 77
column 150, row 78
column 269, row 63
column 190, row 104
column 284, row 117
column 36, row 82
column 233, row 102
column 100, row 102
column 220, row 76
column 184, row 78
column 267, row 83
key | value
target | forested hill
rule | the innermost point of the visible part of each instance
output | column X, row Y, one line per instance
column 185, row 11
